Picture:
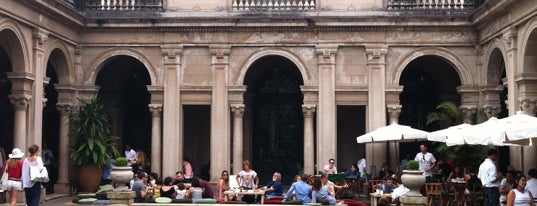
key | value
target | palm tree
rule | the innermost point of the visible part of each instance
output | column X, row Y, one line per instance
column 447, row 115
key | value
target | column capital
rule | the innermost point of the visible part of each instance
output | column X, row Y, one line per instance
column 156, row 109
column 394, row 110
column 171, row 54
column 309, row 110
column 20, row 101
column 468, row 112
column 237, row 109
column 509, row 36
column 326, row 54
column 492, row 110
column 527, row 105
column 41, row 36
column 65, row 108
column 376, row 53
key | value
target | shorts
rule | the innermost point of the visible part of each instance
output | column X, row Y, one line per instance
column 14, row 185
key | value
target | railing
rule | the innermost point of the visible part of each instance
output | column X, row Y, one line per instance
column 119, row 5
column 274, row 5
column 430, row 4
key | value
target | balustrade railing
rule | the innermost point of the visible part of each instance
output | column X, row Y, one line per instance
column 127, row 5
column 276, row 5
column 430, row 4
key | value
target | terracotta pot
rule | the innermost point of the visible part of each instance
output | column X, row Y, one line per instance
column 413, row 179
column 89, row 178
column 121, row 176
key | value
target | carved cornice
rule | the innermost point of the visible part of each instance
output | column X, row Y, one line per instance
column 20, row 101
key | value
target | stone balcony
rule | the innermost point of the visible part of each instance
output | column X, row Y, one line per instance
column 273, row 5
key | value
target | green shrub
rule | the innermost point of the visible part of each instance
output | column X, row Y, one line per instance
column 413, row 165
column 121, row 162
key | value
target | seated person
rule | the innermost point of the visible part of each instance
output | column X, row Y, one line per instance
column 195, row 192
column 353, row 172
column 330, row 185
column 140, row 188
column 180, row 191
column 398, row 192
column 385, row 172
column 388, row 187
column 275, row 187
column 167, row 189
column 302, row 190
column 321, row 194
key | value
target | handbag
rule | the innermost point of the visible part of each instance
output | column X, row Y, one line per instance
column 4, row 179
column 38, row 174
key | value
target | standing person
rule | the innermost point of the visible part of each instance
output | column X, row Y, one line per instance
column 427, row 162
column 187, row 168
column 361, row 167
column 330, row 168
column 130, row 154
column 275, row 187
column 490, row 179
column 32, row 190
column 520, row 196
column 531, row 184
column 247, row 179
column 14, row 170
column 48, row 159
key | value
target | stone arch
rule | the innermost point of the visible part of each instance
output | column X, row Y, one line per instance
column 528, row 33
column 496, row 47
column 102, row 59
column 14, row 41
column 450, row 57
column 260, row 54
column 58, row 54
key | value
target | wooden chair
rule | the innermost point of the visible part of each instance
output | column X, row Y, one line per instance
column 434, row 191
column 374, row 183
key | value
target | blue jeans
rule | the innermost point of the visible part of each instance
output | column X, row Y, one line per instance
column 491, row 196
column 33, row 194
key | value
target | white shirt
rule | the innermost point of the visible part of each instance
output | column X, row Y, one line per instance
column 361, row 167
column 487, row 174
column 521, row 199
column 130, row 155
column 425, row 161
column 330, row 171
column 247, row 179
column 531, row 186
column 506, row 186
column 26, row 181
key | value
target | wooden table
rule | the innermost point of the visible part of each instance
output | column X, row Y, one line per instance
column 375, row 196
column 245, row 192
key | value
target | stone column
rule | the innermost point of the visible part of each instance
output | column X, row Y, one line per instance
column 528, row 153
column 20, row 102
column 62, row 186
column 171, row 54
column 376, row 107
column 35, row 131
column 220, row 141
column 326, row 136
column 510, row 38
column 156, row 138
column 238, row 113
column 309, row 164
column 393, row 111
column 491, row 99
column 468, row 113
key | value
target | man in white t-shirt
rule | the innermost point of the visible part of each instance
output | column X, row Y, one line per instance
column 361, row 167
column 427, row 162
column 130, row 154
column 330, row 168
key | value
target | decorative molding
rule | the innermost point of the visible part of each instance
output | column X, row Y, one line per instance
column 156, row 110
column 238, row 110
column 172, row 54
column 308, row 110
column 20, row 101
column 41, row 37
column 468, row 112
column 527, row 106
column 66, row 109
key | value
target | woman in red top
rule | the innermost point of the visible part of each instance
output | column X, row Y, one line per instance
column 14, row 170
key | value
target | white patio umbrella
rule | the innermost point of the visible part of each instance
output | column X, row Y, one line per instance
column 393, row 132
column 453, row 135
column 521, row 129
column 490, row 132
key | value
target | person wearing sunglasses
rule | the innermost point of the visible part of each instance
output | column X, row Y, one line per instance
column 427, row 162
column 223, row 185
column 330, row 168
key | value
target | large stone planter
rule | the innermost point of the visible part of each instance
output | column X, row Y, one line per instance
column 121, row 176
column 413, row 179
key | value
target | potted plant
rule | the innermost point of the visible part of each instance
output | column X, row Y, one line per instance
column 92, row 143
column 121, row 173
column 413, row 178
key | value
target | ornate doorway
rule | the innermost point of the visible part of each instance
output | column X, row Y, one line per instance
column 274, row 101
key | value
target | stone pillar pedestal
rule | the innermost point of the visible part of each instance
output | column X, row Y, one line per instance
column 412, row 201
column 121, row 198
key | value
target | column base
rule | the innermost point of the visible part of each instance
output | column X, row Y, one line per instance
column 62, row 188
column 121, row 198
column 413, row 201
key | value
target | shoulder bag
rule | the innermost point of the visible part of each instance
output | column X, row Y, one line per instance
column 3, row 181
column 38, row 174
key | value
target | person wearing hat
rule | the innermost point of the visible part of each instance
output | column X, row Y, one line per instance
column 13, row 167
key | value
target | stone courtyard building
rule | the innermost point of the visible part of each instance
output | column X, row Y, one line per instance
column 288, row 84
